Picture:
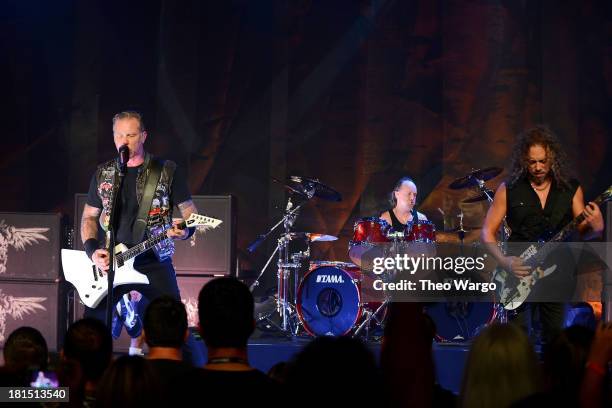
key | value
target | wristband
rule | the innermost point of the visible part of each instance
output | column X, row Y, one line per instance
column 596, row 368
column 91, row 245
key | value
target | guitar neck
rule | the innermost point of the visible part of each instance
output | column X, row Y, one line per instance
column 146, row 245
column 573, row 225
column 562, row 235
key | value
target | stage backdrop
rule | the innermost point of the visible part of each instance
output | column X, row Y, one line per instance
column 356, row 93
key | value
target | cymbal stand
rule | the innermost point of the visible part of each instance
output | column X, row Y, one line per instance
column 501, row 313
column 289, row 213
column 504, row 230
column 371, row 315
column 284, row 307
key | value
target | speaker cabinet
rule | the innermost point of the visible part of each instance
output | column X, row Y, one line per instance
column 209, row 252
column 41, row 305
column 30, row 246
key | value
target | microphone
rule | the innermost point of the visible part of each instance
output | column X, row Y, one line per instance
column 124, row 157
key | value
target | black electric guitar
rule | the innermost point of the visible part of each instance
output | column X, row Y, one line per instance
column 511, row 290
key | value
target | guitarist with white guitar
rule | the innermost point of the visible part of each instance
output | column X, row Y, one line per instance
column 538, row 198
column 154, row 264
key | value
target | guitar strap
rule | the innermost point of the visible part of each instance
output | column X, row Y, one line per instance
column 140, row 225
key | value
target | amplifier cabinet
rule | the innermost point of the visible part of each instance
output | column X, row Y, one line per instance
column 30, row 246
column 41, row 305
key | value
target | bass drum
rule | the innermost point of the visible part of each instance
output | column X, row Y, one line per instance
column 458, row 322
column 328, row 299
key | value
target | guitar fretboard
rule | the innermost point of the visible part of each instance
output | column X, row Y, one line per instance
column 560, row 236
column 144, row 246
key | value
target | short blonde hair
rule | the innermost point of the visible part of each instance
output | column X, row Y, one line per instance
column 129, row 115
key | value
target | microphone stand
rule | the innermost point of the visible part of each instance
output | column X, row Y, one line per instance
column 110, row 242
column 501, row 314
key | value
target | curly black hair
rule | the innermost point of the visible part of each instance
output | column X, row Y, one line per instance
column 539, row 135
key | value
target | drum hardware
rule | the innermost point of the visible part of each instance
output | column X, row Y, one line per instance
column 477, row 178
column 289, row 264
column 378, row 315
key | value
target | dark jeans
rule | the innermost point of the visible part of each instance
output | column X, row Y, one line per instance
column 162, row 281
column 551, row 318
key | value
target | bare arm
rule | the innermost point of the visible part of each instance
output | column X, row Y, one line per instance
column 89, row 230
column 187, row 208
column 89, row 222
column 493, row 220
column 385, row 216
column 593, row 224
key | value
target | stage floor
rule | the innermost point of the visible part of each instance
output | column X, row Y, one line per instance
column 449, row 358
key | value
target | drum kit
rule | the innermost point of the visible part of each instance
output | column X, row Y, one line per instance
column 324, row 298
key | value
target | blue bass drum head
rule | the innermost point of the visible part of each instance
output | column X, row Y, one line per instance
column 328, row 302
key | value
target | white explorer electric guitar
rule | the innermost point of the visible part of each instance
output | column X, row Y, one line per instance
column 92, row 285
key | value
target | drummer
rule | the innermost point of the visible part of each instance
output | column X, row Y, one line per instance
column 402, row 200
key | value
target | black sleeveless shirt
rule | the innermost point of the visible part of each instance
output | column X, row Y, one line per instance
column 526, row 217
column 395, row 223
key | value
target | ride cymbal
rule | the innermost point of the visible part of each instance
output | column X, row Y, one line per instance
column 472, row 178
column 313, row 187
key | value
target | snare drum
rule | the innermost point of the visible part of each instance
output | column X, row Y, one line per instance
column 367, row 232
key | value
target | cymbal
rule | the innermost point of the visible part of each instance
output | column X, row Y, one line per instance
column 320, row 237
column 312, row 236
column 479, row 197
column 470, row 179
column 309, row 185
column 292, row 190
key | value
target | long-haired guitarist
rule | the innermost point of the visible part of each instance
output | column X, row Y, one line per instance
column 539, row 197
column 171, row 189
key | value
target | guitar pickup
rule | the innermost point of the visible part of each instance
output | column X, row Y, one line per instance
column 95, row 272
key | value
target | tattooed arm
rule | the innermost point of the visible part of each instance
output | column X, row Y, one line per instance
column 89, row 236
column 187, row 208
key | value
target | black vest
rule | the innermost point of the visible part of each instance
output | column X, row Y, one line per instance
column 525, row 216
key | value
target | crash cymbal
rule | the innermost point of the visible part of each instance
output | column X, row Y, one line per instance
column 310, row 187
column 470, row 179
column 312, row 236
column 292, row 190
column 320, row 237
column 479, row 197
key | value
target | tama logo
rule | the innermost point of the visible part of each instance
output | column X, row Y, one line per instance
column 330, row 279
